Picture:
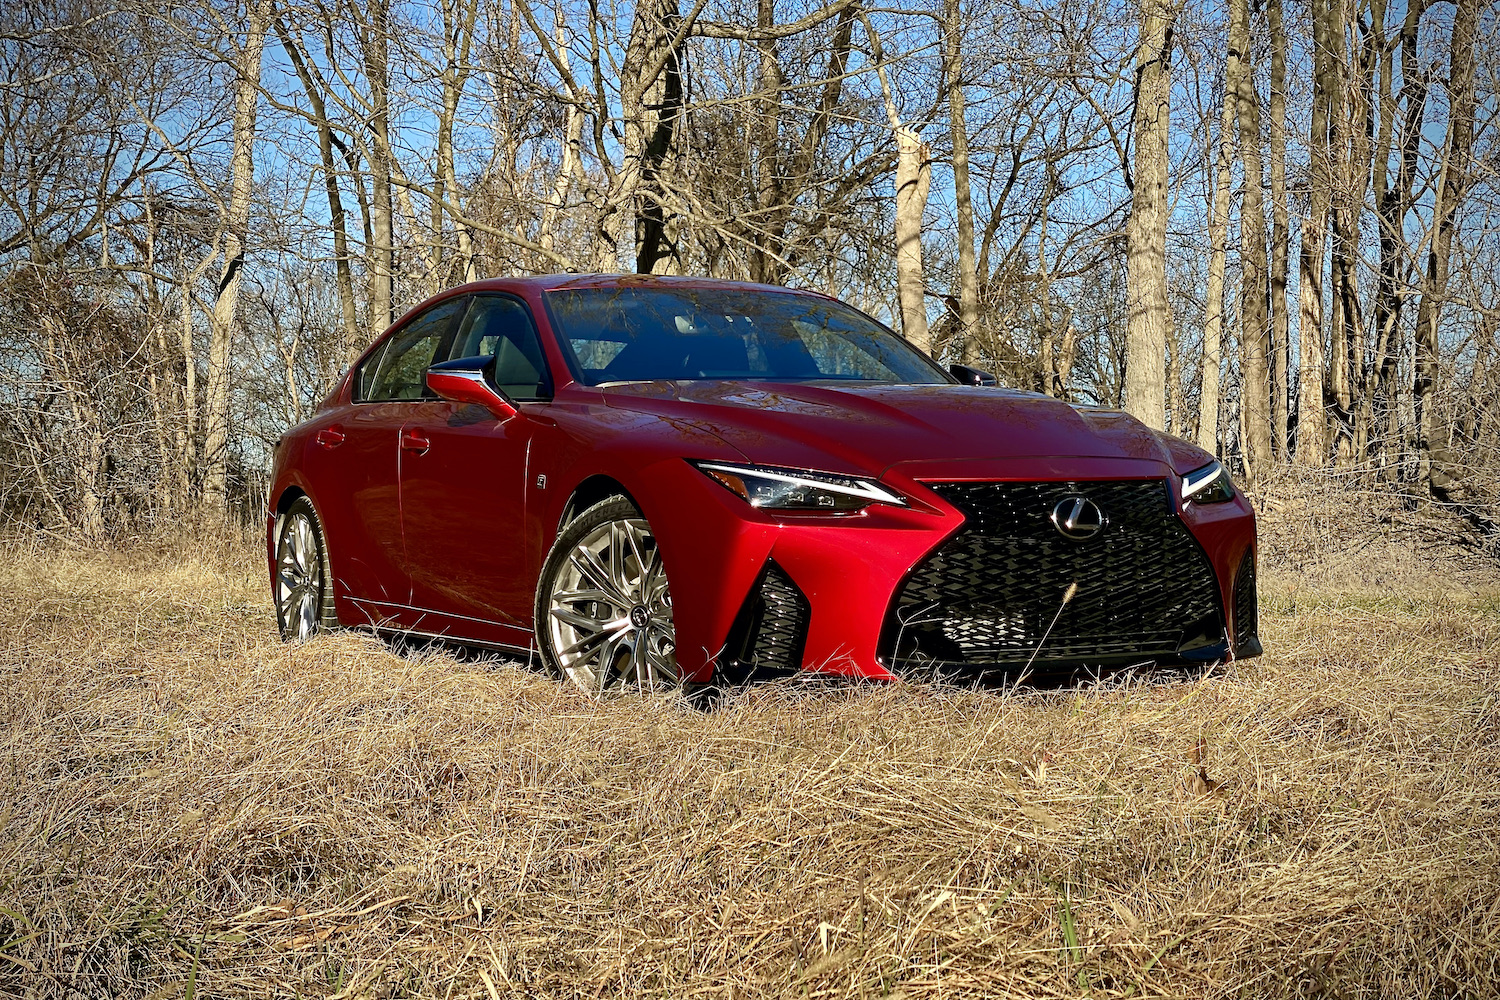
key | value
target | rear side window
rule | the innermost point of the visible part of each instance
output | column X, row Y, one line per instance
column 500, row 327
column 401, row 371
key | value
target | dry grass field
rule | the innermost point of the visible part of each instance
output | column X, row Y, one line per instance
column 188, row 807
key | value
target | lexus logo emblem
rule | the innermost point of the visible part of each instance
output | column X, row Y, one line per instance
column 1077, row 518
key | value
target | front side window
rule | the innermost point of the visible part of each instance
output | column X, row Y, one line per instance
column 364, row 378
column 402, row 371
column 642, row 334
column 500, row 327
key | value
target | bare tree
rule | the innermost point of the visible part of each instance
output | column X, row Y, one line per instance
column 1311, row 439
column 236, row 223
column 1400, row 133
column 913, row 181
column 1255, row 416
column 1280, row 234
column 1213, row 323
column 148, row 226
column 372, row 29
column 1146, row 234
column 953, row 71
column 312, row 87
column 1432, row 445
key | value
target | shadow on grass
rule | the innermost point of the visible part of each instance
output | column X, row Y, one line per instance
column 1000, row 682
column 728, row 686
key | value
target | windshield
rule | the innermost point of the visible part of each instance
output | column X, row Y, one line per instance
column 642, row 334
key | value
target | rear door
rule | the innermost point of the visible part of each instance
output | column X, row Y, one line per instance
column 464, row 486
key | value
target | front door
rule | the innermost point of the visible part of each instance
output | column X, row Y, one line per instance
column 464, row 486
column 365, row 545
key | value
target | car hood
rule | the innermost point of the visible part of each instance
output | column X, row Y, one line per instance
column 866, row 428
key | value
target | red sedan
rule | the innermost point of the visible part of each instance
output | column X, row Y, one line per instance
column 653, row 481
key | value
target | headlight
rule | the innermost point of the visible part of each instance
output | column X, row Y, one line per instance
column 772, row 488
column 1210, row 484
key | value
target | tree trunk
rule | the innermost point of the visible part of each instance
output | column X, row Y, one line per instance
column 1393, row 203
column 382, row 251
column 661, row 106
column 458, row 35
column 968, row 277
column 1044, row 280
column 1432, row 449
column 1280, row 234
column 633, row 222
column 1312, row 447
column 1360, row 167
column 1255, row 415
column 1047, row 363
column 766, row 261
column 1213, row 320
column 160, row 393
column 572, row 136
column 160, row 372
column 1066, row 355
column 343, row 274
column 236, row 230
column 187, row 438
column 1351, row 124
column 913, row 178
column 1150, row 318
column 1177, row 418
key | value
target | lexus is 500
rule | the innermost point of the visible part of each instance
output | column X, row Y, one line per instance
column 652, row 481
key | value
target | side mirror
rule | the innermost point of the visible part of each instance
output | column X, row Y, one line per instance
column 463, row 380
column 972, row 376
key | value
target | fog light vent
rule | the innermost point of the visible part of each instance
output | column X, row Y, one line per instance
column 769, row 634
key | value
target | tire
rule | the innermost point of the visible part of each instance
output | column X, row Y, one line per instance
column 302, row 588
column 603, row 611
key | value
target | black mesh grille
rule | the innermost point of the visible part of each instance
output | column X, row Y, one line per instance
column 1145, row 588
column 769, row 634
column 1246, row 621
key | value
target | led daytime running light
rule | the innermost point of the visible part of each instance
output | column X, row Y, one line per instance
column 1210, row 484
column 733, row 478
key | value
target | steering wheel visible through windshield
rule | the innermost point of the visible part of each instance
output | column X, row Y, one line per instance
column 643, row 334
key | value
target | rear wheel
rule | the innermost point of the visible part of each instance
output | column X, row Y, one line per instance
column 302, row 589
column 603, row 611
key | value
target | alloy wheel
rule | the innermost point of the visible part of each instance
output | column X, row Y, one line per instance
column 299, row 576
column 609, row 613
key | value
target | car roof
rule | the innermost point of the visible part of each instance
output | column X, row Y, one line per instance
column 553, row 282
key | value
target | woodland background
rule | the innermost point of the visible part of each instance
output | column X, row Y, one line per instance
column 1269, row 228
column 1272, row 229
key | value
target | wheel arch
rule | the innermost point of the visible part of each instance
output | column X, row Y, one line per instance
column 593, row 490
column 289, row 496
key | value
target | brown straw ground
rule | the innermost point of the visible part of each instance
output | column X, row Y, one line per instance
column 188, row 807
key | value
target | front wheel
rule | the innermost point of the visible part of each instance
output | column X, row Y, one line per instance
column 603, row 611
column 303, row 586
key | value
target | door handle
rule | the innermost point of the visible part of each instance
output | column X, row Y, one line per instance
column 416, row 441
column 330, row 437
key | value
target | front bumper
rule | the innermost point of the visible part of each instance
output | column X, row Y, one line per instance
column 941, row 587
